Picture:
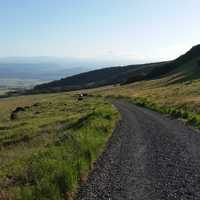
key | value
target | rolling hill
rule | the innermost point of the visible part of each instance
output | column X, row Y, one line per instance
column 183, row 68
column 100, row 77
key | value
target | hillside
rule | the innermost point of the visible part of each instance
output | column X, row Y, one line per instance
column 176, row 92
column 49, row 142
column 183, row 68
column 100, row 77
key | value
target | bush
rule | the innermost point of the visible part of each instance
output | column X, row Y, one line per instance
column 175, row 113
column 185, row 115
column 193, row 121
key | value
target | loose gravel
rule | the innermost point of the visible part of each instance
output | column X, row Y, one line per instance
column 149, row 157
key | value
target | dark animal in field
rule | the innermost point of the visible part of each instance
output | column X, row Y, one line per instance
column 84, row 94
column 13, row 115
column 19, row 109
column 81, row 95
column 80, row 98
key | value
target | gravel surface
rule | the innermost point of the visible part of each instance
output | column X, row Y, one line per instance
column 149, row 157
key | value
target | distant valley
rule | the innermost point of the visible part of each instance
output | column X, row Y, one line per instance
column 25, row 73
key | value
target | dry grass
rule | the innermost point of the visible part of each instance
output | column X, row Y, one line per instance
column 179, row 95
column 48, row 149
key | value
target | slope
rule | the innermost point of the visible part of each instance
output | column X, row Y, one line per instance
column 183, row 68
column 100, row 77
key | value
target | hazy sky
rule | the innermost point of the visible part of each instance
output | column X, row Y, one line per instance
column 124, row 30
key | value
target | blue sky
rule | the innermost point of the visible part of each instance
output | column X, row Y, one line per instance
column 124, row 30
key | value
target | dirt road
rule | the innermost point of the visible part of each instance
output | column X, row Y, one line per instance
column 149, row 157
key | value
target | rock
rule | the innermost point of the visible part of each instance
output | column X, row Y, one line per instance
column 13, row 115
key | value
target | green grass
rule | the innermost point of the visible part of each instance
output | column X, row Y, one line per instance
column 180, row 99
column 177, row 111
column 191, row 117
column 50, row 148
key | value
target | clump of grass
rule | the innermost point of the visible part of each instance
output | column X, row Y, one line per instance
column 190, row 117
column 61, row 144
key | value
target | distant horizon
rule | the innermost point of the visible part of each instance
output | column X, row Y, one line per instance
column 92, row 63
column 124, row 32
column 57, row 59
column 179, row 52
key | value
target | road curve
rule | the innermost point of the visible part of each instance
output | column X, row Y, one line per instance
column 149, row 157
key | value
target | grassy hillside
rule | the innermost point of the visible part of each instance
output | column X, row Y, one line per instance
column 180, row 99
column 186, row 67
column 101, row 77
column 47, row 149
column 183, row 68
column 175, row 91
column 180, row 95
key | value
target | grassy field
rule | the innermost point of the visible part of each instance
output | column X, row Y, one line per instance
column 50, row 146
column 180, row 99
column 177, row 92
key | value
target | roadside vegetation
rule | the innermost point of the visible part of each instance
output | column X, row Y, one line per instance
column 50, row 145
column 180, row 99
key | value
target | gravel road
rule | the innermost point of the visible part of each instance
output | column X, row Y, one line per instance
column 149, row 157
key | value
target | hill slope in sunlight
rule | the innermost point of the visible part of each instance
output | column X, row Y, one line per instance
column 176, row 92
column 184, row 68
column 100, row 77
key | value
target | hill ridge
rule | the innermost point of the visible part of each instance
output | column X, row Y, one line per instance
column 127, row 74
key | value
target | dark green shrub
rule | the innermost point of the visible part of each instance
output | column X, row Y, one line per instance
column 175, row 113
column 185, row 115
column 163, row 110
column 172, row 111
column 178, row 114
column 193, row 121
